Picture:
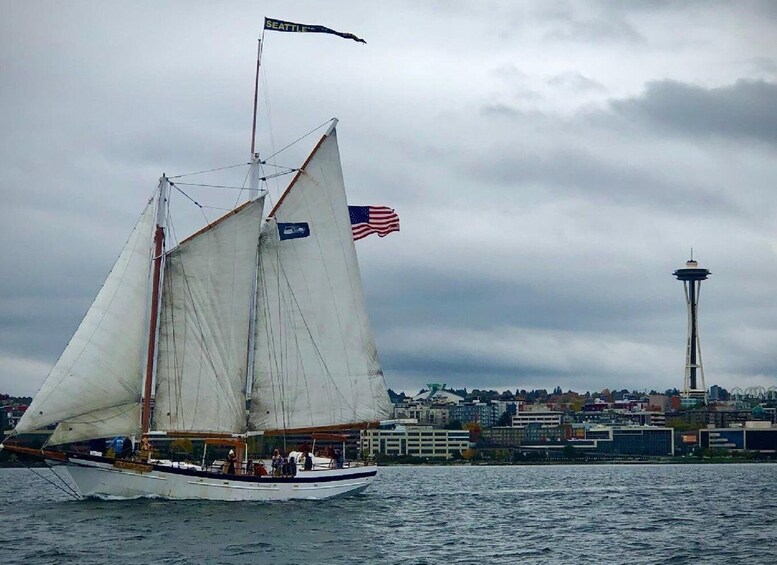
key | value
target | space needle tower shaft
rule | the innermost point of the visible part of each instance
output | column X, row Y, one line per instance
column 694, row 386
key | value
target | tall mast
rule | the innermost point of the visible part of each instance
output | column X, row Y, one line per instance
column 253, row 194
column 159, row 240
column 256, row 96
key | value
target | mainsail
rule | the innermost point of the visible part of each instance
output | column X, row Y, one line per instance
column 316, row 364
column 96, row 382
column 204, row 321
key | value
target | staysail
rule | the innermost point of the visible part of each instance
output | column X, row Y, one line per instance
column 94, row 388
column 204, row 321
column 316, row 364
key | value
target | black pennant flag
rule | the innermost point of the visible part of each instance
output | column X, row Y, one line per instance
column 280, row 25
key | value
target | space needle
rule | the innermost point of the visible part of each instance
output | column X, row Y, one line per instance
column 695, row 389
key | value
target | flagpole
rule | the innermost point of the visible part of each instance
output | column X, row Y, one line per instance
column 256, row 96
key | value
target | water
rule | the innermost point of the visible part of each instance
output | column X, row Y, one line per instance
column 421, row 515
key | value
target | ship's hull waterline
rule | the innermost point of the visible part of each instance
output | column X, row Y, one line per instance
column 101, row 478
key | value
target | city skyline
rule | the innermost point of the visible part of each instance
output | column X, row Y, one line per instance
column 552, row 165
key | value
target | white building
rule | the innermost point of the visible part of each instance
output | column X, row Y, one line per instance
column 421, row 441
column 435, row 415
column 544, row 418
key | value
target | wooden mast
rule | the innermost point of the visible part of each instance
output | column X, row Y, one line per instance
column 256, row 96
column 159, row 240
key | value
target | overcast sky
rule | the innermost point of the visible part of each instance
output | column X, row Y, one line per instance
column 552, row 163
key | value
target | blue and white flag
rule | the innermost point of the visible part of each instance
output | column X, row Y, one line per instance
column 293, row 231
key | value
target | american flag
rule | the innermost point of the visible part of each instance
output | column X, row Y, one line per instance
column 365, row 220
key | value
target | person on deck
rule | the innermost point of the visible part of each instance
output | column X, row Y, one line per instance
column 308, row 461
column 126, row 448
column 145, row 450
column 292, row 467
column 230, row 462
column 277, row 462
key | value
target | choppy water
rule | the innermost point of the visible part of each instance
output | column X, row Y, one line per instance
column 421, row 515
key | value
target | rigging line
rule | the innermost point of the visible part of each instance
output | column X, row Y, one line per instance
column 299, row 358
column 313, row 341
column 279, row 357
column 212, row 185
column 245, row 180
column 275, row 349
column 328, row 389
column 272, row 359
column 276, row 166
column 206, row 350
column 176, row 411
column 282, row 173
column 193, row 200
column 63, row 481
column 300, row 138
column 52, row 483
column 92, row 421
column 173, row 392
column 329, row 284
column 360, row 311
column 209, row 171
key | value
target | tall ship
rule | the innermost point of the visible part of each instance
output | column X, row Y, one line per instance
column 254, row 325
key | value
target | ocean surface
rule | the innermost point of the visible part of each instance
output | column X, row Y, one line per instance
column 421, row 515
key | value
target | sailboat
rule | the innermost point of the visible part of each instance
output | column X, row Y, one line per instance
column 256, row 324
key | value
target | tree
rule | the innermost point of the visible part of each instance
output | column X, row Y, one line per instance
column 474, row 430
column 505, row 419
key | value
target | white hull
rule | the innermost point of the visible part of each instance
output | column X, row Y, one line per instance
column 102, row 479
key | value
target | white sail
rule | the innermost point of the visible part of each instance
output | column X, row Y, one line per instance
column 101, row 367
column 316, row 363
column 109, row 422
column 203, row 331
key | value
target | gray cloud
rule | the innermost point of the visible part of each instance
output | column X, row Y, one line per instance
column 743, row 110
column 551, row 163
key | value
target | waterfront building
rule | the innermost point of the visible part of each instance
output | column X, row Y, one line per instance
column 532, row 434
column 542, row 417
column 480, row 412
column 432, row 414
column 723, row 416
column 627, row 440
column 536, row 433
column 420, row 441
column 753, row 436
column 504, row 436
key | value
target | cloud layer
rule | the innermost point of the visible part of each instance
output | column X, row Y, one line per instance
column 552, row 164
